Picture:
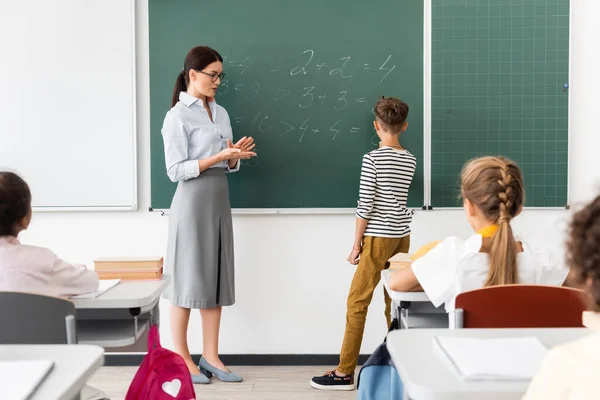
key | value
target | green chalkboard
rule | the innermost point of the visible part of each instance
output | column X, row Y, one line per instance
column 301, row 78
column 499, row 70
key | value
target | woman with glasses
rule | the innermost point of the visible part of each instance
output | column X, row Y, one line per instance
column 198, row 153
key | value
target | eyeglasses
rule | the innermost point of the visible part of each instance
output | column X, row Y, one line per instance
column 213, row 77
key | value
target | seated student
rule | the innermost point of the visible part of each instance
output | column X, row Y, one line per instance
column 571, row 371
column 28, row 268
column 493, row 194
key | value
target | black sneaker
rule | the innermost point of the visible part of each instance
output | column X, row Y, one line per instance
column 330, row 381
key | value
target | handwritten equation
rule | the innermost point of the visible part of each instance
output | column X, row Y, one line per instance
column 269, row 97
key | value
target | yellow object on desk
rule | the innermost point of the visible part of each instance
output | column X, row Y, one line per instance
column 402, row 260
column 424, row 250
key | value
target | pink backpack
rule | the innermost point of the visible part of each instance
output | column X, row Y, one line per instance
column 163, row 375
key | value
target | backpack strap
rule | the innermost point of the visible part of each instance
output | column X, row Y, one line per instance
column 153, row 338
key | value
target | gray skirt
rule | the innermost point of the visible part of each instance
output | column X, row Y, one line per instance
column 200, row 246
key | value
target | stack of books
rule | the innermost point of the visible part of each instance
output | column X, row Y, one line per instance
column 129, row 267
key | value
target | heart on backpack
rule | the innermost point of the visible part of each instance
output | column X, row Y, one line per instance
column 172, row 388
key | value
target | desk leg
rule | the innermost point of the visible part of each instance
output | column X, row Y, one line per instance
column 403, row 314
column 155, row 315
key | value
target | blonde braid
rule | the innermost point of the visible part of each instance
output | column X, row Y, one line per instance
column 506, row 200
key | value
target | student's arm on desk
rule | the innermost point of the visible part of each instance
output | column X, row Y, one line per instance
column 404, row 280
column 72, row 279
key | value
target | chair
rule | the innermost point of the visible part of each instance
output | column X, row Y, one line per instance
column 35, row 319
column 520, row 306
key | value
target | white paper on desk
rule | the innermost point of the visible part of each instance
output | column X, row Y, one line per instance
column 105, row 284
column 517, row 358
column 20, row 379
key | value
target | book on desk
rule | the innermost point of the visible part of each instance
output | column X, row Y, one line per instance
column 129, row 268
column 20, row 379
column 500, row 359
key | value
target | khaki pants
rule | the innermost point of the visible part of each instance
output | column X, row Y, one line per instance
column 374, row 258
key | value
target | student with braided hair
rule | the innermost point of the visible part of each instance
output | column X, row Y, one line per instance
column 493, row 194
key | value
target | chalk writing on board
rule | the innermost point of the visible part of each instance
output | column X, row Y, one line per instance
column 366, row 66
column 224, row 85
column 297, row 70
column 245, row 64
column 308, row 103
column 303, row 128
column 342, row 102
column 375, row 140
column 354, row 129
column 320, row 66
column 322, row 98
column 263, row 125
column 254, row 88
column 388, row 69
column 361, row 100
column 285, row 93
column 339, row 71
column 239, row 86
column 315, row 130
column 238, row 120
column 335, row 129
column 290, row 128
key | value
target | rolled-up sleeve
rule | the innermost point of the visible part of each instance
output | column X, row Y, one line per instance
column 368, row 181
column 176, row 142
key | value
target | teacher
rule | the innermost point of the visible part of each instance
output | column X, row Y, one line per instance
column 198, row 153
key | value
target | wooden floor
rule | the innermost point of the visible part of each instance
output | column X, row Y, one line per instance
column 264, row 383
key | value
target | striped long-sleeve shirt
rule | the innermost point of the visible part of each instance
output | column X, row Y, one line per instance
column 385, row 177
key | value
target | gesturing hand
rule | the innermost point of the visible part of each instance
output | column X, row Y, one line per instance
column 245, row 144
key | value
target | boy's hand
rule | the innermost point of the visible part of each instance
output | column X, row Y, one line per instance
column 354, row 256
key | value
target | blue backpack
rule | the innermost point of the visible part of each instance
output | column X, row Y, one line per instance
column 378, row 378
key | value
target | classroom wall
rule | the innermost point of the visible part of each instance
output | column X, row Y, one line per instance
column 291, row 275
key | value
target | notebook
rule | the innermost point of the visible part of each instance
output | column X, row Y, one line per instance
column 517, row 358
column 105, row 284
column 20, row 379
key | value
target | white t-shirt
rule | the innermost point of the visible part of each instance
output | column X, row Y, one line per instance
column 455, row 266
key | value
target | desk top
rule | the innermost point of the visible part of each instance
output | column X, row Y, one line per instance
column 401, row 296
column 73, row 366
column 426, row 376
column 127, row 294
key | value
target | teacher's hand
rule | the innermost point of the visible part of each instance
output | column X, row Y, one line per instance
column 245, row 144
column 231, row 153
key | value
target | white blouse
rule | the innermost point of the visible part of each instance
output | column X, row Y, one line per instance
column 455, row 266
column 189, row 135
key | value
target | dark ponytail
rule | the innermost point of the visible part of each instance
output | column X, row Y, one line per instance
column 197, row 59
column 180, row 86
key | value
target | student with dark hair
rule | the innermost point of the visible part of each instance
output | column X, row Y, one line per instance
column 33, row 269
column 570, row 371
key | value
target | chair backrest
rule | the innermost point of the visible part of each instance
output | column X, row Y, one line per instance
column 520, row 306
column 35, row 319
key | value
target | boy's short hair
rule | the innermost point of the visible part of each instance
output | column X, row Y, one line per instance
column 391, row 112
